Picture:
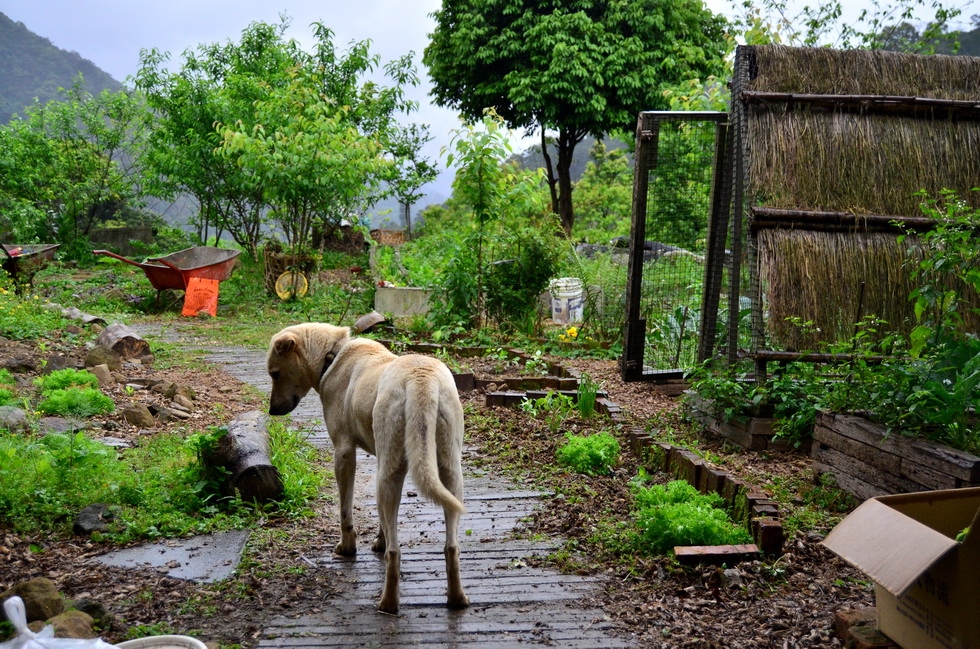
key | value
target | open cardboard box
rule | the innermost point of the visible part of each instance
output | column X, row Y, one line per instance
column 927, row 584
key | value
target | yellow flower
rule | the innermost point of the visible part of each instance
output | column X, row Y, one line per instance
column 572, row 332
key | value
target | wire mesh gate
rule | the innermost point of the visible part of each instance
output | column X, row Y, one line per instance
column 681, row 201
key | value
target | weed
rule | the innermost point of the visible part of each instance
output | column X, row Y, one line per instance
column 588, row 390
column 65, row 379
column 592, row 455
column 80, row 402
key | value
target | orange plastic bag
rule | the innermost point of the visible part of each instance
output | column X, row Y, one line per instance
column 200, row 297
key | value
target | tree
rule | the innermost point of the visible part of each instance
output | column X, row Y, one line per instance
column 66, row 165
column 574, row 67
column 604, row 196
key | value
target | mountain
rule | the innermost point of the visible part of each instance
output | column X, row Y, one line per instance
column 34, row 68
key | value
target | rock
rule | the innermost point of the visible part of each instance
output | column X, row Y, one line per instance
column 115, row 293
column 165, row 388
column 41, row 599
column 731, row 578
column 183, row 402
column 102, row 373
column 19, row 364
column 57, row 362
column 100, row 614
column 114, row 442
column 48, row 425
column 13, row 418
column 847, row 618
column 73, row 624
column 100, row 355
column 93, row 518
column 119, row 377
column 186, row 391
column 139, row 415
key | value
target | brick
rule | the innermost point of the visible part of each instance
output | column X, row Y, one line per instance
column 868, row 637
column 846, row 618
column 715, row 555
column 656, row 455
column 685, row 465
column 715, row 480
column 768, row 534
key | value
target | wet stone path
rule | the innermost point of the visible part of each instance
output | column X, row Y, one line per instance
column 512, row 604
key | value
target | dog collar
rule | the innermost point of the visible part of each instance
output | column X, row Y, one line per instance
column 327, row 362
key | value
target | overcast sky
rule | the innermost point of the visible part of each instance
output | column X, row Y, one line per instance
column 111, row 33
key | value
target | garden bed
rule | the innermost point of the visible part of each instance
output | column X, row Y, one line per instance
column 754, row 432
column 866, row 460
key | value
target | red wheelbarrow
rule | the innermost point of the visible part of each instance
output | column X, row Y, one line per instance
column 174, row 270
column 22, row 262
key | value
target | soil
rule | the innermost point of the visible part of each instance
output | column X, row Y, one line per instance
column 783, row 603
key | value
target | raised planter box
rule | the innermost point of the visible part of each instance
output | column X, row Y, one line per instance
column 401, row 301
column 754, row 432
column 867, row 461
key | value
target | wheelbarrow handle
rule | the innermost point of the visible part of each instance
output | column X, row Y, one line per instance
column 120, row 258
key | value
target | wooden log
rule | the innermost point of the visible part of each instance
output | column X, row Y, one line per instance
column 692, row 555
column 244, row 453
column 123, row 340
column 927, row 107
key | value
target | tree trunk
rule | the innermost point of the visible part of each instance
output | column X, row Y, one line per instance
column 244, row 453
column 408, row 221
column 560, row 175
column 123, row 340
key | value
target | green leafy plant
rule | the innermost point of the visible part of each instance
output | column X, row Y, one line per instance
column 589, row 454
column 80, row 402
column 67, row 378
column 588, row 391
column 678, row 514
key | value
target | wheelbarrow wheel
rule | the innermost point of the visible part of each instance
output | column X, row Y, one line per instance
column 292, row 284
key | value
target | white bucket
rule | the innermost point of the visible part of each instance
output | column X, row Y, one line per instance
column 567, row 300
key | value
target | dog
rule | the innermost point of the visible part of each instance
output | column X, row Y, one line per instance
column 403, row 409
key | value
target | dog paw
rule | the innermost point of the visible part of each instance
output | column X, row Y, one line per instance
column 345, row 550
column 462, row 601
column 390, row 607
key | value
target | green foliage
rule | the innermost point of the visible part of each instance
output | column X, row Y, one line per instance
column 514, row 285
column 604, row 196
column 587, row 392
column 594, row 454
column 578, row 68
column 66, row 378
column 678, row 514
column 555, row 406
column 61, row 170
column 80, row 402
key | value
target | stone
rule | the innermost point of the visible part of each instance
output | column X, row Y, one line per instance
column 100, row 355
column 41, row 598
column 183, row 402
column 103, row 374
column 185, row 391
column 868, row 637
column 48, row 425
column 93, row 518
column 139, row 415
column 20, row 364
column 13, row 418
column 100, row 615
column 73, row 624
column 166, row 388
column 57, row 362
column 119, row 377
column 731, row 578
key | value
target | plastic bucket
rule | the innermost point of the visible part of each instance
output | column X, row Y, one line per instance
column 163, row 642
column 567, row 300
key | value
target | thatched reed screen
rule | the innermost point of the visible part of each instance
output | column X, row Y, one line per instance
column 832, row 148
column 681, row 190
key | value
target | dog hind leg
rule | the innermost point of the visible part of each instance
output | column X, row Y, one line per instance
column 452, row 477
column 391, row 477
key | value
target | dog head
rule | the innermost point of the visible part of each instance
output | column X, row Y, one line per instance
column 297, row 359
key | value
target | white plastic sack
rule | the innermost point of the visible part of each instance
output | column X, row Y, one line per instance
column 27, row 639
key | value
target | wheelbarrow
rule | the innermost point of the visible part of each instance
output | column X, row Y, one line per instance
column 22, row 262
column 174, row 271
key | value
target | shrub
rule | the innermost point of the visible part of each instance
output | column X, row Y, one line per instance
column 65, row 379
column 592, row 455
column 80, row 402
column 678, row 514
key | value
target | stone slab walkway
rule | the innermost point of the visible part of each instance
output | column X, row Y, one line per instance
column 512, row 604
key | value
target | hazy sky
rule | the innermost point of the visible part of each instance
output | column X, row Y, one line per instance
column 111, row 33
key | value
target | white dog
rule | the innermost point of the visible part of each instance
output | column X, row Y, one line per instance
column 403, row 409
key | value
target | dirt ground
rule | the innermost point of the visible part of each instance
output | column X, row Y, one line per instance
column 784, row 603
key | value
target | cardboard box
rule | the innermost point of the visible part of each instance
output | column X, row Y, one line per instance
column 927, row 584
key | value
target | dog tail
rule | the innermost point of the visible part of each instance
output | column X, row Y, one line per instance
column 422, row 445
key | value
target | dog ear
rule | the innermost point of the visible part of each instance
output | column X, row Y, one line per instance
column 284, row 344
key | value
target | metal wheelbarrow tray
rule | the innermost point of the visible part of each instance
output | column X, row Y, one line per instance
column 23, row 261
column 173, row 271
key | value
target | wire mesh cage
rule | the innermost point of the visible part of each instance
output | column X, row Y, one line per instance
column 677, row 242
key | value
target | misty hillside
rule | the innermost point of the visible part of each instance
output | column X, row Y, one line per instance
column 34, row 68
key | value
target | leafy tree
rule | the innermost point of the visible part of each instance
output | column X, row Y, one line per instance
column 573, row 67
column 604, row 196
column 65, row 167
column 215, row 84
